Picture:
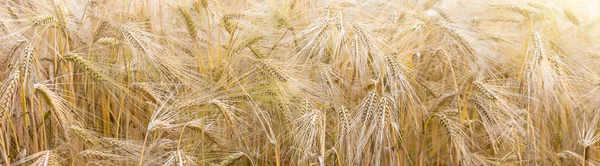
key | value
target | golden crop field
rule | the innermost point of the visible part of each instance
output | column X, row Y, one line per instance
column 299, row 82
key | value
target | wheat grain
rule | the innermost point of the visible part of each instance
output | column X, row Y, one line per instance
column 12, row 13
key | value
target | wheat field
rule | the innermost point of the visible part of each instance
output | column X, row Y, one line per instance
column 299, row 82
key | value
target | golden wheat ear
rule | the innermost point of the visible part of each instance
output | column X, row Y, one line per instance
column 230, row 159
column 8, row 92
column 61, row 109
column 43, row 158
column 85, row 65
column 179, row 157
column 189, row 22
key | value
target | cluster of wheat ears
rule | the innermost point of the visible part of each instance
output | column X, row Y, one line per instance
column 299, row 82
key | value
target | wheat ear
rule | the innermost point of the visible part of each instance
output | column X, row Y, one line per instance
column 85, row 64
column 188, row 21
column 344, row 120
column 230, row 159
column 267, row 68
column 45, row 19
column 8, row 92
